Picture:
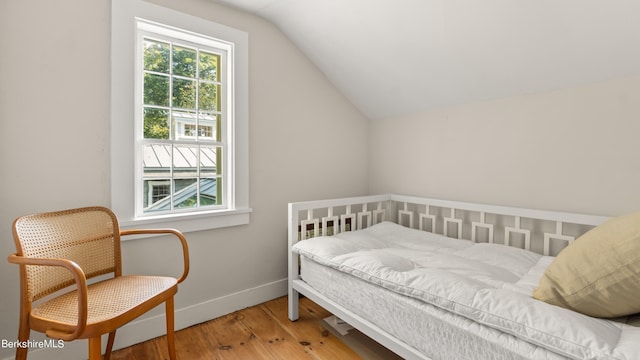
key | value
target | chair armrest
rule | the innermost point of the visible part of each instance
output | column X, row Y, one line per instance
column 81, row 283
column 178, row 234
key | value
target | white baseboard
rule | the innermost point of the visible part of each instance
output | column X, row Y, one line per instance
column 148, row 328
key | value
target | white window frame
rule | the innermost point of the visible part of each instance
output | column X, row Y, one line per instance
column 124, row 156
column 179, row 37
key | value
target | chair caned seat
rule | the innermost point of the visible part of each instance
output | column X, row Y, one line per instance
column 108, row 299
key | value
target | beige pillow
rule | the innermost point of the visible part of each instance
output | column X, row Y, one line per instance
column 599, row 273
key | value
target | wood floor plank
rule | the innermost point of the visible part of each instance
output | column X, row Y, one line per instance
column 317, row 311
column 192, row 343
column 151, row 349
column 317, row 340
column 259, row 332
column 279, row 343
column 233, row 340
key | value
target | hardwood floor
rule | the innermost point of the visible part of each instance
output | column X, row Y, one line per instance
column 259, row 332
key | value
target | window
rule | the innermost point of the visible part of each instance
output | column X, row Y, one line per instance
column 158, row 190
column 180, row 127
column 184, row 79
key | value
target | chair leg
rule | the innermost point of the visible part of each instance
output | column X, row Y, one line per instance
column 95, row 348
column 107, row 353
column 23, row 335
column 170, row 328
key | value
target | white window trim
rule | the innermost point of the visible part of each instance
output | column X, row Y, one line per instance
column 123, row 193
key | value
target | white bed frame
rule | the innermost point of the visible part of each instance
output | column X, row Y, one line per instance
column 544, row 232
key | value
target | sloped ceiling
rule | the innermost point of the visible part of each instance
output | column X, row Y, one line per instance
column 397, row 57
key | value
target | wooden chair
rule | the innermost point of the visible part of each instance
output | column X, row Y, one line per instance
column 60, row 249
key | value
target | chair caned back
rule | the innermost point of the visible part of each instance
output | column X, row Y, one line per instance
column 90, row 237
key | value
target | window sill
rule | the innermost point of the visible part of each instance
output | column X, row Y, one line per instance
column 188, row 222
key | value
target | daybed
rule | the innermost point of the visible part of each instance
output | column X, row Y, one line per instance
column 433, row 279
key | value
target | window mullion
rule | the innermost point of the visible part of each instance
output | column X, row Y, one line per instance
column 171, row 130
column 198, row 162
column 171, row 77
column 198, row 152
column 171, row 177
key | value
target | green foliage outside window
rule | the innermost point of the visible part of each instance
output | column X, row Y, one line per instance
column 180, row 78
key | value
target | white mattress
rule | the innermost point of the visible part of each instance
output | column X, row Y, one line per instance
column 434, row 332
column 439, row 294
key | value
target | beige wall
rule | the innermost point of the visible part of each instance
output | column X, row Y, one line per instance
column 55, row 145
column 569, row 150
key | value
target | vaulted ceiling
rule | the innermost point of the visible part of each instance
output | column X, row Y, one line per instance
column 397, row 57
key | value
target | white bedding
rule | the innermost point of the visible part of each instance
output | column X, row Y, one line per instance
column 485, row 283
column 432, row 331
